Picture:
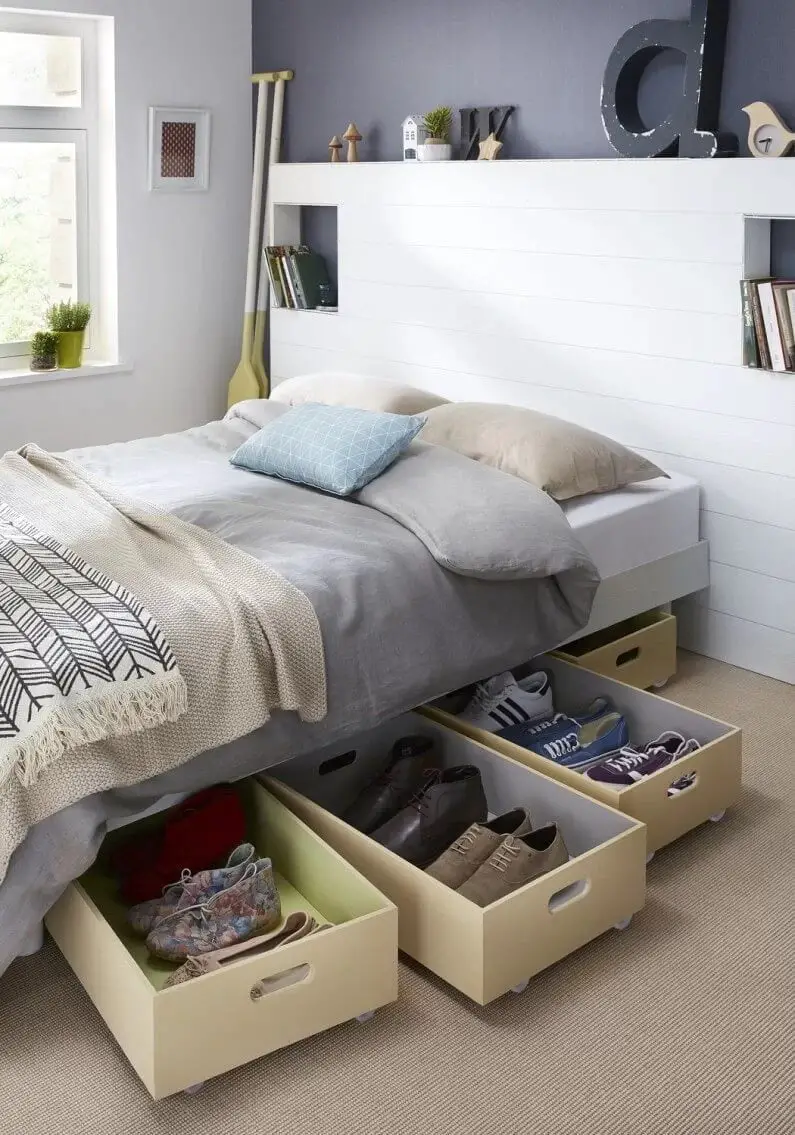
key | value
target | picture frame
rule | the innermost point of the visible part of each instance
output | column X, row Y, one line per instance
column 179, row 150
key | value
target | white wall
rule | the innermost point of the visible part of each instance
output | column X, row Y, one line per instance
column 605, row 292
column 181, row 258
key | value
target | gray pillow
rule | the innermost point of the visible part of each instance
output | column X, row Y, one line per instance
column 559, row 457
column 476, row 521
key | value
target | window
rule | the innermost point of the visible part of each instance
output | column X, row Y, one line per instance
column 49, row 147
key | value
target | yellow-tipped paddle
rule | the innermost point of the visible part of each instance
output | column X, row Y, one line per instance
column 263, row 292
column 246, row 382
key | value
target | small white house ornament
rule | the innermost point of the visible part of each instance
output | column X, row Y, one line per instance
column 414, row 134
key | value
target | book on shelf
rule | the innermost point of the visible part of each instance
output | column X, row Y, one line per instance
column 297, row 276
column 768, row 308
column 750, row 348
column 775, row 341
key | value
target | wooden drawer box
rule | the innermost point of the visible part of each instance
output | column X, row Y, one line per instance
column 484, row 952
column 176, row 1038
column 639, row 651
column 715, row 769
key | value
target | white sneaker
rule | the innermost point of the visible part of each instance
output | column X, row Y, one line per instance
column 502, row 701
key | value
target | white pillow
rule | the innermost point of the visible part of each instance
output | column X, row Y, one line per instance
column 335, row 388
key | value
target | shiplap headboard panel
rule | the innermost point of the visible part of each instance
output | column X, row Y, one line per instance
column 605, row 292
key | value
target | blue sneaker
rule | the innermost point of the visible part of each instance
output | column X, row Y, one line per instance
column 574, row 742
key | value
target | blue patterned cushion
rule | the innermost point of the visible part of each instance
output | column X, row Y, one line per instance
column 335, row 448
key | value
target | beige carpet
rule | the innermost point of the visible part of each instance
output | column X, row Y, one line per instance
column 682, row 1025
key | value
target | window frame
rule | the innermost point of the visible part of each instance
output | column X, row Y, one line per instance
column 79, row 125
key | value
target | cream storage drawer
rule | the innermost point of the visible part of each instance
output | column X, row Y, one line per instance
column 176, row 1038
column 640, row 652
column 715, row 769
column 484, row 952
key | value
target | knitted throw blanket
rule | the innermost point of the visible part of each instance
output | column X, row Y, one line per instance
column 81, row 660
column 245, row 641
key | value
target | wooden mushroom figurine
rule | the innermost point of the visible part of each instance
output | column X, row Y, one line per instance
column 352, row 137
column 334, row 147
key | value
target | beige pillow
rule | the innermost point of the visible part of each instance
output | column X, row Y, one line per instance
column 333, row 388
column 563, row 459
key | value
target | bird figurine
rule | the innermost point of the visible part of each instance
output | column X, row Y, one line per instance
column 768, row 136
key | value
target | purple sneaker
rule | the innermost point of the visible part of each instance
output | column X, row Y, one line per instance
column 631, row 765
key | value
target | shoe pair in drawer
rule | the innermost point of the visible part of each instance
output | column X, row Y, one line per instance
column 438, row 819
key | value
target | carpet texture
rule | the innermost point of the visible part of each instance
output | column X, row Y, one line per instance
column 682, row 1025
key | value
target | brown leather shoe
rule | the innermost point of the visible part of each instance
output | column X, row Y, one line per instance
column 403, row 777
column 450, row 801
column 471, row 850
column 515, row 863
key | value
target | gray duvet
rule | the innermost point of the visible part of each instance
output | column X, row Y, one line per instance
column 442, row 571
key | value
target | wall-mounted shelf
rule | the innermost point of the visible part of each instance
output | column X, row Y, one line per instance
column 758, row 264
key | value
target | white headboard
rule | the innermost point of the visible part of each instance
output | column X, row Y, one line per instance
column 606, row 292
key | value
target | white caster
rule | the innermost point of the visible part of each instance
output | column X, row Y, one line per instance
column 624, row 924
column 194, row 1089
column 649, row 857
column 363, row 1018
column 716, row 819
column 660, row 685
column 520, row 988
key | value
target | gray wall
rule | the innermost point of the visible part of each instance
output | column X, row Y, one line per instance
column 375, row 61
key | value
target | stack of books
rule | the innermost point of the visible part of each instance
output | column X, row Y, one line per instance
column 298, row 276
column 768, row 323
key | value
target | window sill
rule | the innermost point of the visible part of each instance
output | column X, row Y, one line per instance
column 25, row 377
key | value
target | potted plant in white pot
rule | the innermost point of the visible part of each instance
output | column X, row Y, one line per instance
column 69, row 321
column 437, row 147
column 44, row 351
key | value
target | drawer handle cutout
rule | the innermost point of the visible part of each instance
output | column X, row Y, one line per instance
column 334, row 764
column 283, row 980
column 683, row 784
column 628, row 656
column 567, row 895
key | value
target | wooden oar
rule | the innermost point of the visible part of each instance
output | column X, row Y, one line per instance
column 245, row 382
column 263, row 296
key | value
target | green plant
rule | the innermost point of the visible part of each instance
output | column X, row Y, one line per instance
column 69, row 316
column 438, row 123
column 44, row 345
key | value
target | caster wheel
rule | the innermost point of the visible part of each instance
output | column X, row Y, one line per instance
column 624, row 925
column 649, row 857
column 716, row 819
column 660, row 685
column 194, row 1089
column 365, row 1017
column 520, row 988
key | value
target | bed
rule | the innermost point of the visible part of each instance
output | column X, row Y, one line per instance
column 389, row 646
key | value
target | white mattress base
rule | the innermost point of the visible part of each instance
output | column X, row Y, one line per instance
column 637, row 525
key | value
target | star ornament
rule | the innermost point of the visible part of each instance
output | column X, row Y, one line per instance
column 490, row 149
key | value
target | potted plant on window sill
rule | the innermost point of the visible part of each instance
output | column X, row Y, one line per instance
column 44, row 351
column 436, row 147
column 69, row 321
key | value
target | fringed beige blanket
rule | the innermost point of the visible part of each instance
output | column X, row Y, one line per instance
column 227, row 640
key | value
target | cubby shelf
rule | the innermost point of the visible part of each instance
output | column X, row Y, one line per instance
column 757, row 264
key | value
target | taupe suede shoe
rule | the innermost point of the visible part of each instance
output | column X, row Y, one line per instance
column 515, row 863
column 473, row 848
